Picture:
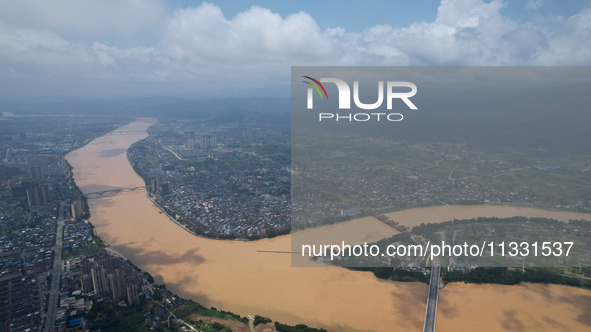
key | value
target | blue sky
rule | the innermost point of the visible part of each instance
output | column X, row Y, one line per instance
column 358, row 15
column 114, row 48
column 355, row 16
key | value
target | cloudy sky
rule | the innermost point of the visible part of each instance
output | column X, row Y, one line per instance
column 112, row 48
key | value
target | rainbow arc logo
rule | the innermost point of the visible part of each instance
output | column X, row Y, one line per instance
column 316, row 88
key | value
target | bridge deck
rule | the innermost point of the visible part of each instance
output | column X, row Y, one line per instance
column 112, row 191
column 432, row 297
column 127, row 132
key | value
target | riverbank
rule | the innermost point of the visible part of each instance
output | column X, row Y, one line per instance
column 170, row 217
column 235, row 276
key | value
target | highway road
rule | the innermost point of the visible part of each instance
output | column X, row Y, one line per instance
column 56, row 272
column 432, row 297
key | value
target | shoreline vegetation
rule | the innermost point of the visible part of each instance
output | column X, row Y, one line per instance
column 483, row 275
column 507, row 229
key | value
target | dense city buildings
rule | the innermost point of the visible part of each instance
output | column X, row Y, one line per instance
column 55, row 273
column 35, row 183
column 380, row 175
column 220, row 181
column 228, row 191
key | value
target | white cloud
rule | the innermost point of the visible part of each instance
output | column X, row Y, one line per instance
column 39, row 49
column 569, row 40
column 200, row 44
column 91, row 18
column 203, row 35
column 474, row 32
column 534, row 4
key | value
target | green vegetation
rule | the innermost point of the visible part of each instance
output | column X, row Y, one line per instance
column 107, row 316
column 394, row 274
column 506, row 276
column 96, row 239
column 139, row 145
column 497, row 231
column 259, row 320
column 297, row 328
column 209, row 327
column 88, row 251
column 191, row 307
column 149, row 277
column 562, row 270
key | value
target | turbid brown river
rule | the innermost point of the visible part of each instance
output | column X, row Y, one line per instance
column 232, row 275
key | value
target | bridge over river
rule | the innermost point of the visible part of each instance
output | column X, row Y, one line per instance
column 432, row 297
column 112, row 192
column 126, row 132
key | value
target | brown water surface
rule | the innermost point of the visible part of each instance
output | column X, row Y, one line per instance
column 232, row 275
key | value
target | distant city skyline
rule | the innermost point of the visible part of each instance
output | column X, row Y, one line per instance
column 181, row 48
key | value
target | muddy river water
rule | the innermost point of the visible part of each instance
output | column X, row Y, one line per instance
column 232, row 275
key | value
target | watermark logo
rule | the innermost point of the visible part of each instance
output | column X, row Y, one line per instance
column 391, row 92
column 310, row 92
